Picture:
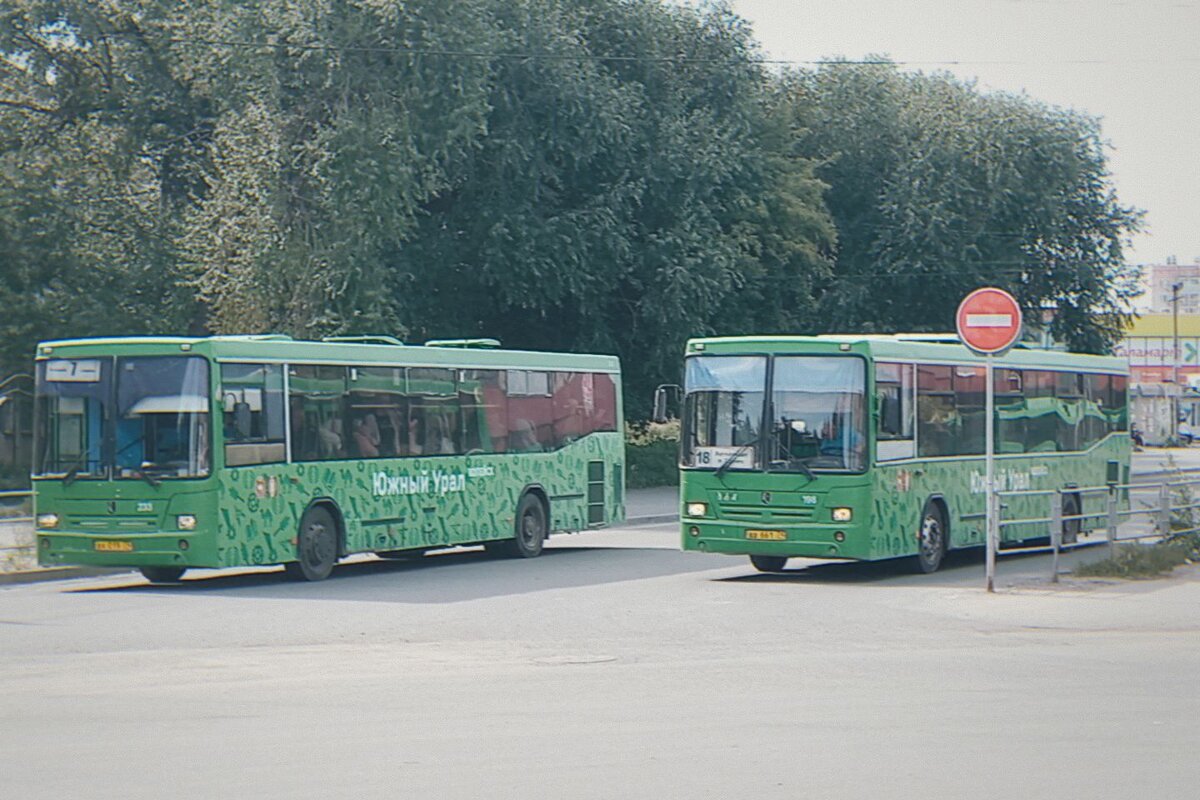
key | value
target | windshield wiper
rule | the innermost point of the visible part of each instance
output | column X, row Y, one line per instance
column 736, row 455
column 146, row 476
column 802, row 464
column 70, row 475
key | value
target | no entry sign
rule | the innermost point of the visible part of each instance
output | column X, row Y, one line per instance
column 989, row 321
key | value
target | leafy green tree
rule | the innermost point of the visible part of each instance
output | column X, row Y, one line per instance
column 99, row 153
column 937, row 188
column 638, row 183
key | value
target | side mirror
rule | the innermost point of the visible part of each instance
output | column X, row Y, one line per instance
column 242, row 420
column 660, row 400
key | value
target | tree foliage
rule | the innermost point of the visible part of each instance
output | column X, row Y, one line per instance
column 937, row 189
column 593, row 175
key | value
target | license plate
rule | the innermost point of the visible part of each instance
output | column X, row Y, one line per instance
column 771, row 536
column 114, row 547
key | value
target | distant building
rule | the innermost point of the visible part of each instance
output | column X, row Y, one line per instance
column 1156, row 355
column 1163, row 277
column 1150, row 347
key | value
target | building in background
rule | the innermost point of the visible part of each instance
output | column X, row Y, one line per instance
column 1163, row 278
column 1164, row 370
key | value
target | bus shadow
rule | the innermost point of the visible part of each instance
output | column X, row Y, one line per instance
column 960, row 568
column 448, row 577
column 966, row 568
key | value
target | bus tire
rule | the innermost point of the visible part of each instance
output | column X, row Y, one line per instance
column 316, row 546
column 162, row 574
column 769, row 563
column 530, row 525
column 1070, row 527
column 931, row 538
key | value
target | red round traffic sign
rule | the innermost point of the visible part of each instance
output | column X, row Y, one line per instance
column 989, row 321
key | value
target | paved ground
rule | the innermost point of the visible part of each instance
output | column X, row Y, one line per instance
column 614, row 665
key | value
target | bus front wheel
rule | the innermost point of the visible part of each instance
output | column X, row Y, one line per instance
column 530, row 529
column 769, row 563
column 931, row 538
column 162, row 574
column 316, row 546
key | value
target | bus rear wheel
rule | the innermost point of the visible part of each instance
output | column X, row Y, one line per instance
column 530, row 530
column 162, row 574
column 931, row 539
column 316, row 546
column 769, row 563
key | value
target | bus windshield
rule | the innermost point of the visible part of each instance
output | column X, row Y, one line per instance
column 72, row 397
column 818, row 410
column 152, row 424
column 723, row 411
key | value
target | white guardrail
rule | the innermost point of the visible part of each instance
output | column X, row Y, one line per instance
column 1160, row 503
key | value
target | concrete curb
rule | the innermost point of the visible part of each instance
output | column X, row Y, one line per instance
column 58, row 574
column 650, row 519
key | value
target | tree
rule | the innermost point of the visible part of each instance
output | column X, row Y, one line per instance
column 937, row 189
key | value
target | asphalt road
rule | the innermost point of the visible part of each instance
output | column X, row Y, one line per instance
column 614, row 665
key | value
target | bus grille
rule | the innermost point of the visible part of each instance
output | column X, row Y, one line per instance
column 760, row 513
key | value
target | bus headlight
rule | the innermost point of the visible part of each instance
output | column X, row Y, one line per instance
column 47, row 520
column 697, row 509
column 186, row 522
column 842, row 515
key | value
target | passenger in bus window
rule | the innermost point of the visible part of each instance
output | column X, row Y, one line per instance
column 523, row 437
column 366, row 436
column 437, row 440
column 329, row 435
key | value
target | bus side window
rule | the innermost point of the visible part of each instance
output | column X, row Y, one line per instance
column 893, row 395
column 318, row 405
column 252, row 405
column 937, row 417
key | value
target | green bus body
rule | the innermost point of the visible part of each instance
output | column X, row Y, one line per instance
column 1061, row 422
column 223, row 480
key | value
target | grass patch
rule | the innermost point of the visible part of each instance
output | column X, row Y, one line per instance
column 1139, row 561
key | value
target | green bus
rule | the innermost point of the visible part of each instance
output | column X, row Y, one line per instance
column 166, row 454
column 872, row 447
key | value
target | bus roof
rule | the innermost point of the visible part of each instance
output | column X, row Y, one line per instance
column 914, row 347
column 467, row 354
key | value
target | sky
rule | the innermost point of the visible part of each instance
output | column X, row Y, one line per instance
column 1135, row 64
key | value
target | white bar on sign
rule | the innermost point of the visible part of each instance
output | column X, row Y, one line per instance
column 989, row 320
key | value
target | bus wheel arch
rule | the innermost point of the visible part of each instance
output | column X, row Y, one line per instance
column 933, row 534
column 320, row 541
column 531, row 523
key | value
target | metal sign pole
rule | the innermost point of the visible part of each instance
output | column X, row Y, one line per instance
column 989, row 446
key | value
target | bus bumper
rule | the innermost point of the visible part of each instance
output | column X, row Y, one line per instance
column 64, row 548
column 810, row 541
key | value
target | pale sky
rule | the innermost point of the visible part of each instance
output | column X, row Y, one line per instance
column 1133, row 63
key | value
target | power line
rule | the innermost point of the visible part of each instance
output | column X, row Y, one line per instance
column 591, row 57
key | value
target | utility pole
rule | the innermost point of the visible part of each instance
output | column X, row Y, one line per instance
column 1175, row 287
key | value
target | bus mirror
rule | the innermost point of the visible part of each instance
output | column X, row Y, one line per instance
column 241, row 420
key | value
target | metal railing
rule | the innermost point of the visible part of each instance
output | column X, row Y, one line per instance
column 1171, row 496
